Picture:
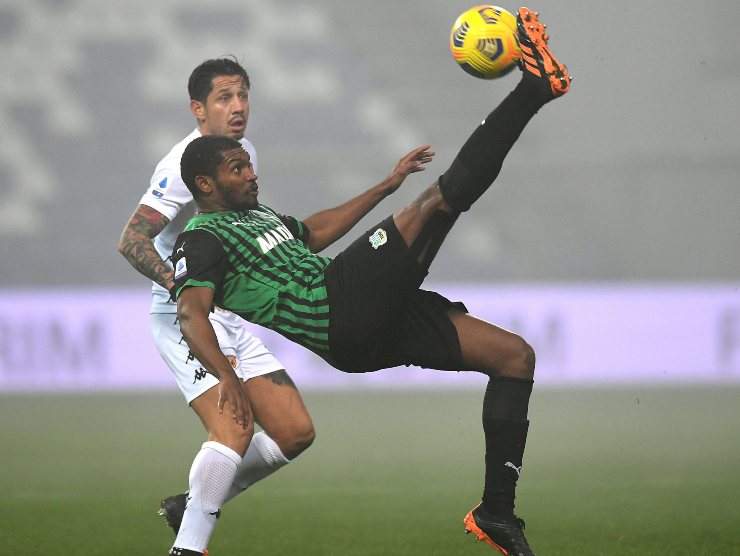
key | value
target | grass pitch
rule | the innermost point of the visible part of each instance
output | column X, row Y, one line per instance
column 626, row 471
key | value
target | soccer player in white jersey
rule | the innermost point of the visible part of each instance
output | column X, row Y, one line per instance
column 219, row 93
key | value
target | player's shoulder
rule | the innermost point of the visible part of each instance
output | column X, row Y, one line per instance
column 171, row 161
column 249, row 147
column 212, row 222
column 247, row 144
column 167, row 193
column 196, row 240
column 262, row 209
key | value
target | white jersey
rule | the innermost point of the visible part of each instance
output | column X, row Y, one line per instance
column 169, row 195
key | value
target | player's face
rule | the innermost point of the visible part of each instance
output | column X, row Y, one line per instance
column 236, row 182
column 226, row 109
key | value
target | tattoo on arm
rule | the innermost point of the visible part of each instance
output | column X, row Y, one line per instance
column 137, row 247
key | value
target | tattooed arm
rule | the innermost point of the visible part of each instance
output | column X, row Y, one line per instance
column 137, row 246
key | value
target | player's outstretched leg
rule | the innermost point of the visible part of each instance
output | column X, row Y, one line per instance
column 509, row 361
column 505, row 426
column 480, row 160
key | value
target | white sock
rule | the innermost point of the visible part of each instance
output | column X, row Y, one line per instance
column 211, row 476
column 262, row 459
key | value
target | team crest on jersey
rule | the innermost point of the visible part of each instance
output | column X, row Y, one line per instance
column 378, row 238
column 181, row 268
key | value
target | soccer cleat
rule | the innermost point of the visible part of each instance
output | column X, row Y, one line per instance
column 172, row 508
column 505, row 535
column 537, row 60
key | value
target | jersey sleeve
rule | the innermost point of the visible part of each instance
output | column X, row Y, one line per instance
column 296, row 227
column 167, row 193
column 199, row 261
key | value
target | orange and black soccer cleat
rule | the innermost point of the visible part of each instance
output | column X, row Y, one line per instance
column 504, row 534
column 537, row 60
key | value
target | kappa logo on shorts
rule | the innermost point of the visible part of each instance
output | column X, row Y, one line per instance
column 200, row 374
column 378, row 238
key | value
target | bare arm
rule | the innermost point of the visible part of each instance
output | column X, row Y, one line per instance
column 329, row 225
column 137, row 247
column 193, row 307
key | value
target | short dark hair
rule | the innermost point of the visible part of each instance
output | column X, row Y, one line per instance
column 202, row 157
column 200, row 83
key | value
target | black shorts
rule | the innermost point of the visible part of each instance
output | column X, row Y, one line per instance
column 379, row 318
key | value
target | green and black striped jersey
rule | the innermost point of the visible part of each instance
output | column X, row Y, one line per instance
column 259, row 266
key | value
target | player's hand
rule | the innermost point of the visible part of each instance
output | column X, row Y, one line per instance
column 230, row 392
column 411, row 163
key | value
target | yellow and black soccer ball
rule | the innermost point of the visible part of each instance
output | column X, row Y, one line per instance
column 484, row 41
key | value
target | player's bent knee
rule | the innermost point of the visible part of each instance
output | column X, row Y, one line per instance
column 522, row 362
column 514, row 359
column 299, row 441
column 530, row 359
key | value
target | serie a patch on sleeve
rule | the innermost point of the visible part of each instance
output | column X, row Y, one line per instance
column 162, row 186
column 181, row 268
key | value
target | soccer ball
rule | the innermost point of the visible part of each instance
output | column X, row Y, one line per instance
column 484, row 42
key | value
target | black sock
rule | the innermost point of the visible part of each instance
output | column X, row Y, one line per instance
column 480, row 159
column 507, row 398
column 505, row 426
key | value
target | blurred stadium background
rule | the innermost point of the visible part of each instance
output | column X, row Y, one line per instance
column 610, row 240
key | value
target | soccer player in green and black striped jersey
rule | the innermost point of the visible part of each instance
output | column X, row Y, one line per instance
column 365, row 310
column 262, row 247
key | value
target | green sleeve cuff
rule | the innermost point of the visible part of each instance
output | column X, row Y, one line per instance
column 196, row 284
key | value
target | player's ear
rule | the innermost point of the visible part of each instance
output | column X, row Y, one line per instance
column 204, row 183
column 198, row 109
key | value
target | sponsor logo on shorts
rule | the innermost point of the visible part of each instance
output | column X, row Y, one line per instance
column 378, row 238
column 200, row 374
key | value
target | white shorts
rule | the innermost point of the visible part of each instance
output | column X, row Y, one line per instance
column 247, row 354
